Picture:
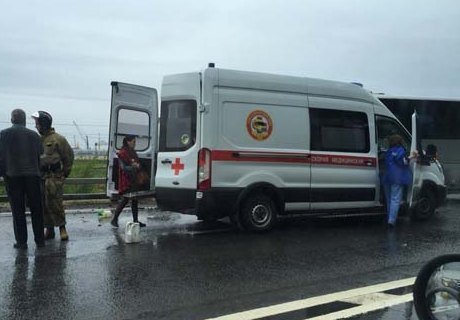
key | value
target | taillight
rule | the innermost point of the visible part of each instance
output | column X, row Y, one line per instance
column 204, row 169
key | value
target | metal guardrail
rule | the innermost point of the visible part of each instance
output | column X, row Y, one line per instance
column 74, row 196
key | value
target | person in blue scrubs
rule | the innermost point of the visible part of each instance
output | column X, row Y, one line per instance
column 397, row 176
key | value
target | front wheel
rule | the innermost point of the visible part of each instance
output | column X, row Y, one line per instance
column 426, row 206
column 258, row 213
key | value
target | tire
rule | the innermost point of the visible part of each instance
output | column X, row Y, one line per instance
column 425, row 206
column 258, row 213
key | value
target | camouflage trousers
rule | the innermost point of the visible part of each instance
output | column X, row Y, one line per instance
column 54, row 214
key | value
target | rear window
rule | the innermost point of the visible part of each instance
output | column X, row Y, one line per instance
column 177, row 125
column 133, row 122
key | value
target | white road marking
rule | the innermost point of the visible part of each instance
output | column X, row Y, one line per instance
column 351, row 312
column 369, row 298
column 337, row 296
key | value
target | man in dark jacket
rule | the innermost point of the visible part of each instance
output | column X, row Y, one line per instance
column 20, row 150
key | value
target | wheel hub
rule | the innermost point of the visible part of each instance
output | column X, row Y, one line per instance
column 424, row 205
column 260, row 214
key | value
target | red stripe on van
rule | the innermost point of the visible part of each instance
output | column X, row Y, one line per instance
column 257, row 156
column 328, row 159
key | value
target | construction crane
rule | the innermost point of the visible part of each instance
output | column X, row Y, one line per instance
column 83, row 136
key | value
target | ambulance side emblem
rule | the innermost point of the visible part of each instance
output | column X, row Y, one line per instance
column 259, row 125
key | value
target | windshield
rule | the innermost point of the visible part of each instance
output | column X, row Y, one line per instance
column 177, row 125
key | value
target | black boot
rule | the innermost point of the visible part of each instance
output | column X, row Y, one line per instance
column 114, row 222
column 49, row 233
column 116, row 214
column 135, row 210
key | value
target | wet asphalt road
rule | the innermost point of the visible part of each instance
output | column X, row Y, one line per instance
column 184, row 269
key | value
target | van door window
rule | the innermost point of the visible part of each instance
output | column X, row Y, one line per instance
column 177, row 125
column 387, row 127
column 343, row 131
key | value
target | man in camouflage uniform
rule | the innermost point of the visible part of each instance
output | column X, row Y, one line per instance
column 55, row 165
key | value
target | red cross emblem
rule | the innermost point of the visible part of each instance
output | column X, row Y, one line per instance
column 177, row 166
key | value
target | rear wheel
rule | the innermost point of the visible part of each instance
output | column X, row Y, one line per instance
column 258, row 213
column 425, row 206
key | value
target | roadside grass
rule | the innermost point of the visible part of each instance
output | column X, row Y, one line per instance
column 82, row 168
column 87, row 168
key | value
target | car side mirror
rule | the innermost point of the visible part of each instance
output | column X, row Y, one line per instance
column 437, row 289
column 431, row 151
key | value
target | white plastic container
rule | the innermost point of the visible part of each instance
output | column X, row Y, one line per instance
column 132, row 232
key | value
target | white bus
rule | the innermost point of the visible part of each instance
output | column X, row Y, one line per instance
column 440, row 120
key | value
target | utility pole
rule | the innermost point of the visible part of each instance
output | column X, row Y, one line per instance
column 83, row 136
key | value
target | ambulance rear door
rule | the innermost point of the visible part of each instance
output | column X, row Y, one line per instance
column 134, row 111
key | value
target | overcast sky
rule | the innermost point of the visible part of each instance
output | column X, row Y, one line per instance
column 60, row 56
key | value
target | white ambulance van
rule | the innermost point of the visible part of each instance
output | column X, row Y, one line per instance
column 256, row 147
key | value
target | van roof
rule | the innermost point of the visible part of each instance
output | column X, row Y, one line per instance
column 383, row 96
column 301, row 85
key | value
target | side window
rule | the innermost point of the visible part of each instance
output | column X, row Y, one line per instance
column 133, row 122
column 387, row 127
column 343, row 131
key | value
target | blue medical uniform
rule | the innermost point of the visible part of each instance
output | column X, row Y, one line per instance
column 397, row 175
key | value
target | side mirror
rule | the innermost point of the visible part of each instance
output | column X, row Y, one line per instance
column 431, row 151
column 437, row 289
column 429, row 155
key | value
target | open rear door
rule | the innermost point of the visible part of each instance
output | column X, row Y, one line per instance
column 134, row 111
column 415, row 187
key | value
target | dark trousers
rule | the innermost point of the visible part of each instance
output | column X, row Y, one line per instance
column 134, row 207
column 18, row 188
